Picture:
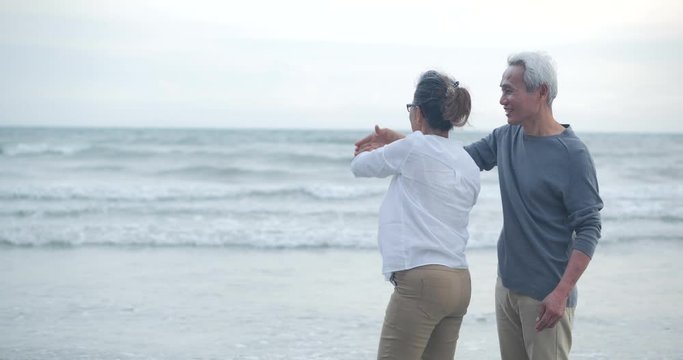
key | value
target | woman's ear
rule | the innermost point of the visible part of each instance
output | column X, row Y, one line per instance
column 419, row 119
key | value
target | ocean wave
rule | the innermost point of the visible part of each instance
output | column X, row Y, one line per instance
column 321, row 236
column 154, row 194
column 218, row 172
column 289, row 153
column 666, row 218
column 256, row 243
column 62, row 243
column 322, row 192
column 35, row 149
column 311, row 160
column 99, row 168
column 64, row 213
column 153, row 236
column 241, row 240
column 69, row 150
column 194, row 212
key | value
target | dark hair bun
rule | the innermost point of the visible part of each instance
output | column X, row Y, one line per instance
column 442, row 101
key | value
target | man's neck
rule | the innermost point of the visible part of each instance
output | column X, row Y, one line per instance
column 543, row 125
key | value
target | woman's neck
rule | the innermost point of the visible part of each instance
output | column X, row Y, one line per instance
column 429, row 131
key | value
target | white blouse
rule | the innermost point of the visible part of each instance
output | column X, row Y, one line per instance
column 423, row 218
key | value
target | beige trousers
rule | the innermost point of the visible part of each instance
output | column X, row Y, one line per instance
column 425, row 312
column 516, row 319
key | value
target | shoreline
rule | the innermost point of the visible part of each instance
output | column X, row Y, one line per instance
column 198, row 302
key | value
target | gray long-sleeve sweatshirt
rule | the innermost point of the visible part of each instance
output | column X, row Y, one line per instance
column 551, row 205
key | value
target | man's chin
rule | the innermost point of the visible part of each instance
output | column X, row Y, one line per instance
column 513, row 120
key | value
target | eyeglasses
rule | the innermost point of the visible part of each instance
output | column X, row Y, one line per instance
column 410, row 106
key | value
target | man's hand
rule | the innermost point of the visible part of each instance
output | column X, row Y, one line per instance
column 377, row 139
column 554, row 305
column 552, row 310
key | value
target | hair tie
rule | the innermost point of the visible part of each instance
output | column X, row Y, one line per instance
column 454, row 88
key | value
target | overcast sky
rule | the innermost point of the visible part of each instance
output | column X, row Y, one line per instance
column 329, row 64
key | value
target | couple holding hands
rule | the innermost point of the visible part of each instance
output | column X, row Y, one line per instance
column 551, row 216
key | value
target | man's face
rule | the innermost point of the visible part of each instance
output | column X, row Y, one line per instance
column 520, row 106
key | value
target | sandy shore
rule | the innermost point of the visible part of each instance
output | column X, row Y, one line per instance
column 227, row 303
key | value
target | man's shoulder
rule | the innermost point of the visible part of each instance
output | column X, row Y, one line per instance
column 506, row 129
column 575, row 148
column 497, row 137
column 572, row 142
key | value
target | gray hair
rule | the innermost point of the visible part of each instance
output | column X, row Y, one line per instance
column 539, row 69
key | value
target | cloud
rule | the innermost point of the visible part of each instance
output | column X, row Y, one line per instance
column 327, row 63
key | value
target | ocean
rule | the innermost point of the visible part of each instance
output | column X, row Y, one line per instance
column 274, row 189
column 73, row 200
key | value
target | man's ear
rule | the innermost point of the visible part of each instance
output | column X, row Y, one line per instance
column 544, row 91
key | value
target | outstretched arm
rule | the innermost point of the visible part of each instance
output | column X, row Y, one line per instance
column 377, row 139
column 385, row 161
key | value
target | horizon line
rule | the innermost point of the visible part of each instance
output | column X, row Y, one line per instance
column 196, row 128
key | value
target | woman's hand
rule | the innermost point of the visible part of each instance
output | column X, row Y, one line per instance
column 377, row 139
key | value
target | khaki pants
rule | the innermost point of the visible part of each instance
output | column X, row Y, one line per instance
column 516, row 318
column 425, row 312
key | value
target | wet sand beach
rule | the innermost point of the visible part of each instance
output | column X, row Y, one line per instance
column 232, row 303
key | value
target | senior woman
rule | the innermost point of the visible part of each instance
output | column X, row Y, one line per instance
column 423, row 222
